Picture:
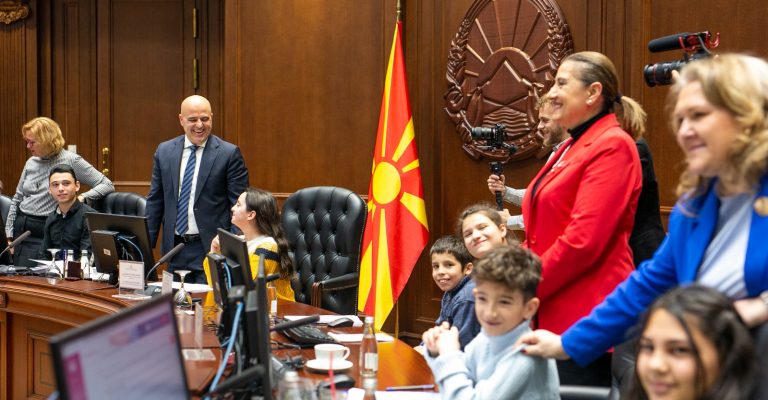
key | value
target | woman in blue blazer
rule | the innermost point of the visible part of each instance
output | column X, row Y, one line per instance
column 718, row 228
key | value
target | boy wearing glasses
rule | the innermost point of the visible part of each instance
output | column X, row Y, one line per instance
column 65, row 227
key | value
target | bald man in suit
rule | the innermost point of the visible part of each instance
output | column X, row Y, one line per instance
column 191, row 210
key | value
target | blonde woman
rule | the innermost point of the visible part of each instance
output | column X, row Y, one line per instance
column 32, row 203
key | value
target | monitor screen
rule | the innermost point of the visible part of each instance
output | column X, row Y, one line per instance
column 134, row 354
column 235, row 249
column 256, row 329
column 133, row 237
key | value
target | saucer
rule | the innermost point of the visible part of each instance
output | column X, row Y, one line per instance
column 338, row 365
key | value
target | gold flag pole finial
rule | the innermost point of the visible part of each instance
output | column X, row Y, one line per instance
column 399, row 11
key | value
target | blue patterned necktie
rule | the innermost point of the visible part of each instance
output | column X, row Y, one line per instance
column 182, row 223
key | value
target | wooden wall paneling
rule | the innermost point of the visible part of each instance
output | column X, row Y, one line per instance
column 145, row 52
column 308, row 87
column 72, row 90
column 18, row 93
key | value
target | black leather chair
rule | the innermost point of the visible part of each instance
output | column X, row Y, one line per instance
column 5, row 207
column 123, row 203
column 324, row 228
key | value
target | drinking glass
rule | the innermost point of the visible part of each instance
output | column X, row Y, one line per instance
column 53, row 262
column 182, row 299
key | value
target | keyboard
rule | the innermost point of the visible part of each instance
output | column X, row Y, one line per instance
column 12, row 270
column 307, row 335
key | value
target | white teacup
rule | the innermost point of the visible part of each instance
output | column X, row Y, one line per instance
column 323, row 352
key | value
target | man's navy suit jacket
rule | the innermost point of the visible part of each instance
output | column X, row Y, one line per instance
column 220, row 181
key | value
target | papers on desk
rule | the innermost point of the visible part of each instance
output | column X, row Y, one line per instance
column 359, row 394
column 358, row 337
column 325, row 319
column 190, row 287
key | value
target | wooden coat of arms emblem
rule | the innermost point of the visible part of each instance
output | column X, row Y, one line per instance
column 502, row 59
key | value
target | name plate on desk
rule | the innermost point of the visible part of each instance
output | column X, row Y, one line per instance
column 131, row 275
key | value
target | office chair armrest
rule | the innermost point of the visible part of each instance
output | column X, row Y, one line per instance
column 340, row 282
column 568, row 392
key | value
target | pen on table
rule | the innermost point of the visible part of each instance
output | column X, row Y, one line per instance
column 412, row 387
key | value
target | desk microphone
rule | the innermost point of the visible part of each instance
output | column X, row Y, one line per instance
column 292, row 324
column 16, row 241
column 165, row 258
column 269, row 278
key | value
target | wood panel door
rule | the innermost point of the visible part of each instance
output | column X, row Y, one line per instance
column 151, row 54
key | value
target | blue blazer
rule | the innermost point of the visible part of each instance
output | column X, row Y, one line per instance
column 675, row 263
column 220, row 181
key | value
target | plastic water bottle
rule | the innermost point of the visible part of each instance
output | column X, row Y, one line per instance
column 85, row 264
column 289, row 388
column 369, row 359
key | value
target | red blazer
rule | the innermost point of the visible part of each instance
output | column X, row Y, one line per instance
column 579, row 221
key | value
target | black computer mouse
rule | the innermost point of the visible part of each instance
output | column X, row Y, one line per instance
column 341, row 381
column 342, row 322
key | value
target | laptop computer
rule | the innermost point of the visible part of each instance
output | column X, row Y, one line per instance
column 134, row 354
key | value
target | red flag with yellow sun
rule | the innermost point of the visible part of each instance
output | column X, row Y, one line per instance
column 396, row 229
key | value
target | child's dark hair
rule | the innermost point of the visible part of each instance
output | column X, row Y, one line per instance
column 512, row 266
column 717, row 321
column 268, row 222
column 63, row 169
column 452, row 245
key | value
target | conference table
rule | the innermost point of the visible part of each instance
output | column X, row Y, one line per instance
column 33, row 309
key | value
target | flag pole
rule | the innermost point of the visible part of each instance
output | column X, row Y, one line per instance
column 399, row 18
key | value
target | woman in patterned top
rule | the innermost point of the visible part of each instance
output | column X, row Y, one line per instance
column 32, row 203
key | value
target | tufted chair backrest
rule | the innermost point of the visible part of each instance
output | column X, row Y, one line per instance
column 122, row 203
column 5, row 207
column 324, row 228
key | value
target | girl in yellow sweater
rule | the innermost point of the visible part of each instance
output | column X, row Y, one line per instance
column 255, row 213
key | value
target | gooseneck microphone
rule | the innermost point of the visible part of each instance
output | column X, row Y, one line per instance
column 165, row 258
column 16, row 241
column 292, row 324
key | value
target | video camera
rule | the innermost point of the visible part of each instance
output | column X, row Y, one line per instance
column 494, row 136
column 695, row 46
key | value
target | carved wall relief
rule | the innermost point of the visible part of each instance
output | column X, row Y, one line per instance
column 502, row 59
column 12, row 11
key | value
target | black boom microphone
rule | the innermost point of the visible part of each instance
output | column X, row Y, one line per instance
column 165, row 258
column 292, row 324
column 671, row 42
column 16, row 241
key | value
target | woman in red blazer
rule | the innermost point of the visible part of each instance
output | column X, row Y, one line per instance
column 579, row 209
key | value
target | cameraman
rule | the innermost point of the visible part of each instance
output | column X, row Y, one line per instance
column 554, row 136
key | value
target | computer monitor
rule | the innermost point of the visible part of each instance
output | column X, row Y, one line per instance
column 256, row 330
column 134, row 354
column 132, row 236
column 235, row 249
column 221, row 282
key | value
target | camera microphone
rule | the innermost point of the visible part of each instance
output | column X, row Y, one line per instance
column 665, row 43
column 683, row 41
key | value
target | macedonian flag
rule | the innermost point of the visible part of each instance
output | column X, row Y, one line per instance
column 396, row 229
